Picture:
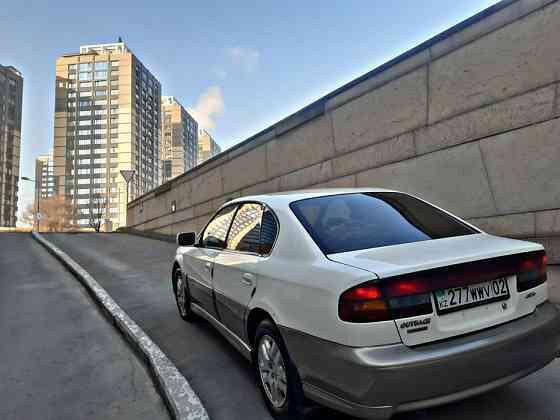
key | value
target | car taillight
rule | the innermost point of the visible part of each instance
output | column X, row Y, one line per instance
column 363, row 304
column 370, row 303
column 532, row 271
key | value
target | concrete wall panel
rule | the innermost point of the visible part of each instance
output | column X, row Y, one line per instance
column 207, row 185
column 511, row 60
column 246, row 169
column 300, row 147
column 452, row 178
column 524, row 167
column 311, row 175
column 521, row 225
column 548, row 222
column 516, row 112
column 342, row 182
column 390, row 110
column 393, row 150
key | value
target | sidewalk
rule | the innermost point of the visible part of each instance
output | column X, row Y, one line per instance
column 60, row 358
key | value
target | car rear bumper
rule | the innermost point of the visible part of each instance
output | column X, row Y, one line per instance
column 376, row 382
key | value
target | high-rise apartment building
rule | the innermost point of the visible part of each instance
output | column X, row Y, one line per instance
column 11, row 95
column 107, row 118
column 207, row 147
column 179, row 139
column 44, row 176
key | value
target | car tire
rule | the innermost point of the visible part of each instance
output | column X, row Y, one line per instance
column 282, row 405
column 182, row 296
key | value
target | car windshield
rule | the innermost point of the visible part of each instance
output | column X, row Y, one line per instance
column 349, row 222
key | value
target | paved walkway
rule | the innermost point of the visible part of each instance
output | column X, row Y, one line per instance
column 59, row 357
column 136, row 272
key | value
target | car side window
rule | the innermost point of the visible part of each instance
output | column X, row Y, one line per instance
column 245, row 231
column 214, row 235
column 269, row 230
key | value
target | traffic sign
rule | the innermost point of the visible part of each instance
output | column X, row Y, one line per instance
column 127, row 174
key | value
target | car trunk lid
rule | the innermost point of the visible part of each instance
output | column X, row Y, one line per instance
column 457, row 262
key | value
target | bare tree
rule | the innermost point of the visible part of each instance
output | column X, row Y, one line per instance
column 96, row 210
column 57, row 214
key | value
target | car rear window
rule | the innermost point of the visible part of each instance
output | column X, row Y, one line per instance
column 349, row 222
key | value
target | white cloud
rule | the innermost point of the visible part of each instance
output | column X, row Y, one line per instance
column 246, row 58
column 208, row 106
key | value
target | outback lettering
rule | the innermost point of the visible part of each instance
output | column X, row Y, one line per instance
column 416, row 323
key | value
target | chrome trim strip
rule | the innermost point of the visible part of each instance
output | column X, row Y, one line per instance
column 237, row 342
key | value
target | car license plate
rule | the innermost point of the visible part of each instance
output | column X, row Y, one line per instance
column 459, row 298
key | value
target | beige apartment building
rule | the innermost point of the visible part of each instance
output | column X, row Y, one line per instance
column 11, row 95
column 44, row 176
column 207, row 147
column 107, row 119
column 179, row 139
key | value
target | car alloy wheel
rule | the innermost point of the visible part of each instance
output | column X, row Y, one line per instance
column 272, row 371
column 181, row 294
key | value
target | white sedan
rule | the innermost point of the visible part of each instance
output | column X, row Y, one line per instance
column 368, row 301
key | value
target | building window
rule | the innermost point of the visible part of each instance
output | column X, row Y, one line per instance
column 85, row 76
column 100, row 75
column 101, row 65
column 85, row 66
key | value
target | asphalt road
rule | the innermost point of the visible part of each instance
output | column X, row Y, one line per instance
column 59, row 357
column 136, row 271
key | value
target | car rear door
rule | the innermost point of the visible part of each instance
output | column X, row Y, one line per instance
column 200, row 259
column 235, row 268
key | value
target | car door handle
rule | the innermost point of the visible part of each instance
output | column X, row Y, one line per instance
column 247, row 279
column 208, row 266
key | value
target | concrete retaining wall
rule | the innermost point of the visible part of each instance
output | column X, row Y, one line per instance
column 468, row 120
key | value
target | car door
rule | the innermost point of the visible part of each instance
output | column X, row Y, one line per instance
column 201, row 259
column 235, row 267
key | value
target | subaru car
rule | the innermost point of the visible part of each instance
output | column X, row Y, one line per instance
column 368, row 301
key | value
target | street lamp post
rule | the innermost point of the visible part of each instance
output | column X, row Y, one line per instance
column 127, row 175
column 38, row 195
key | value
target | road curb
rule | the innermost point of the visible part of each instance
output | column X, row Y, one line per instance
column 181, row 400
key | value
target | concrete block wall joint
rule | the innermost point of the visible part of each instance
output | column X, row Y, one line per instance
column 180, row 398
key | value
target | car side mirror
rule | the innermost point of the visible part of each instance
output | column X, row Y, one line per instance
column 186, row 238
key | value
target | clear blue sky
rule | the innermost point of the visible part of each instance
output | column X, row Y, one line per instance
column 252, row 63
